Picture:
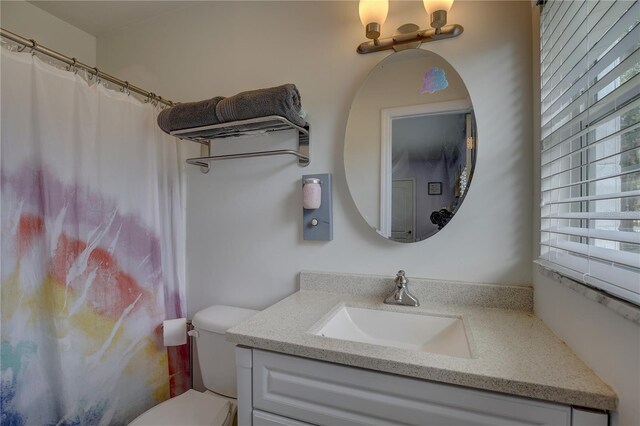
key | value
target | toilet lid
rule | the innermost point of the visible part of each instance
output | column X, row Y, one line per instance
column 192, row 408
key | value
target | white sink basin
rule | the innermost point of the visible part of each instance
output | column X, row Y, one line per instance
column 418, row 332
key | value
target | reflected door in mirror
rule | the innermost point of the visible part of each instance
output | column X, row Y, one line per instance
column 403, row 210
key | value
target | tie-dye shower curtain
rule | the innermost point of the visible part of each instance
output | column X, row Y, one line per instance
column 92, row 250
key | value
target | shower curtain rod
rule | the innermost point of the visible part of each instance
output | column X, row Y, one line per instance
column 73, row 63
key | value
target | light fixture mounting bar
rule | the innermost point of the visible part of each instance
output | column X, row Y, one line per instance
column 422, row 36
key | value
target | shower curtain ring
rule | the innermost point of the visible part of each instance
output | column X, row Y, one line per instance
column 70, row 66
column 20, row 49
column 125, row 88
column 33, row 47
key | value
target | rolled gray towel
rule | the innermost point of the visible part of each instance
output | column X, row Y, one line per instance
column 281, row 100
column 190, row 114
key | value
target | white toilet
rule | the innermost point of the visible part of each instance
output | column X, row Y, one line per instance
column 216, row 357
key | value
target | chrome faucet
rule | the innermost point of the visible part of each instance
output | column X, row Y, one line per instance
column 401, row 294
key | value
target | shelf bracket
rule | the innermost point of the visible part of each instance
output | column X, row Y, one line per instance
column 205, row 151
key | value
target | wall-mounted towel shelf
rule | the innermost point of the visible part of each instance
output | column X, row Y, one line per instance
column 254, row 126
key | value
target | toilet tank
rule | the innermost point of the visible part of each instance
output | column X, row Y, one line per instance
column 216, row 356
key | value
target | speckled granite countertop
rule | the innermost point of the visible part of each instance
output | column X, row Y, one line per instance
column 513, row 352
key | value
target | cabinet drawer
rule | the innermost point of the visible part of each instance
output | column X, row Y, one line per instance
column 260, row 418
column 327, row 394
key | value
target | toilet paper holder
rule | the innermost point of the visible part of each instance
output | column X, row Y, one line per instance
column 191, row 332
column 189, row 325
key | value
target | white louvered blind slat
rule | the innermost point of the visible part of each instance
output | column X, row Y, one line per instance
column 590, row 143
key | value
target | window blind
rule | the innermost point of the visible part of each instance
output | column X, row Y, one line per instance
column 590, row 143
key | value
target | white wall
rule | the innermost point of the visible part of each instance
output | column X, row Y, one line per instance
column 604, row 340
column 32, row 22
column 244, row 237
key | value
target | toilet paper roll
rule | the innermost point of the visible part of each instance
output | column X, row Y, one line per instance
column 174, row 332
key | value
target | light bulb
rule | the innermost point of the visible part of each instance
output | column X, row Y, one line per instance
column 373, row 13
column 437, row 10
column 432, row 5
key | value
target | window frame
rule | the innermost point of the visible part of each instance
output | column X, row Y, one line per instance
column 584, row 238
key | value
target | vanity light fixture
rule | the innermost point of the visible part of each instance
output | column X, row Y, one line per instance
column 373, row 13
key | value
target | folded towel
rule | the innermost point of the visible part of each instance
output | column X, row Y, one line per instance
column 281, row 100
column 190, row 114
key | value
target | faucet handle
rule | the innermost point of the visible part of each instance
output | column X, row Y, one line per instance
column 400, row 278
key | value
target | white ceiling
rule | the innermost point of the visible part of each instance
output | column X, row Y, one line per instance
column 100, row 17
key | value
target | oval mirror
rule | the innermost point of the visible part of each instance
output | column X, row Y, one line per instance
column 410, row 145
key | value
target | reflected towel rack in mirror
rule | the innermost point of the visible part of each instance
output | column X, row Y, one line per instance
column 255, row 126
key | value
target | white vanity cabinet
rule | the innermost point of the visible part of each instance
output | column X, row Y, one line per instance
column 278, row 389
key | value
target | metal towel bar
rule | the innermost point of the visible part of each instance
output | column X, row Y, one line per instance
column 203, row 161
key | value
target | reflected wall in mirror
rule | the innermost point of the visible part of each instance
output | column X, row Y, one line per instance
column 410, row 145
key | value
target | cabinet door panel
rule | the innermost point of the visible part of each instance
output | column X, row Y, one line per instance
column 324, row 393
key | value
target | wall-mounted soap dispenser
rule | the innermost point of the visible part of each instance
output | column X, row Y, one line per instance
column 317, row 208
